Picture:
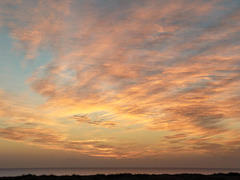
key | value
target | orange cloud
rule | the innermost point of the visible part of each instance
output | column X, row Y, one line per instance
column 169, row 68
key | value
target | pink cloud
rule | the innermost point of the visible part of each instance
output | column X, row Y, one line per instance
column 160, row 66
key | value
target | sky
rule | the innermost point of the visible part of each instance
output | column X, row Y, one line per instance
column 119, row 83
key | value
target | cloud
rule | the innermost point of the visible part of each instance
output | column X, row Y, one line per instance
column 176, row 136
column 96, row 121
column 14, row 110
column 34, row 24
column 49, row 139
column 159, row 66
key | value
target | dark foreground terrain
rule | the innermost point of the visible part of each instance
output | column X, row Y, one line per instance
column 128, row 177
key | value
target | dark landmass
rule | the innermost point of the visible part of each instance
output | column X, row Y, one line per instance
column 220, row 176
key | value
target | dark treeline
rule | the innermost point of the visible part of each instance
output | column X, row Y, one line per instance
column 127, row 177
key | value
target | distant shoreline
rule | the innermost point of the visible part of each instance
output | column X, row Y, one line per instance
column 129, row 176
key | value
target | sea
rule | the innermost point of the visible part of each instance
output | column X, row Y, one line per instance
column 93, row 171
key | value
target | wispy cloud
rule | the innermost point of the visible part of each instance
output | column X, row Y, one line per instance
column 84, row 119
column 152, row 66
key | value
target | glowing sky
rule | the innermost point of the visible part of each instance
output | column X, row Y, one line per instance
column 120, row 83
